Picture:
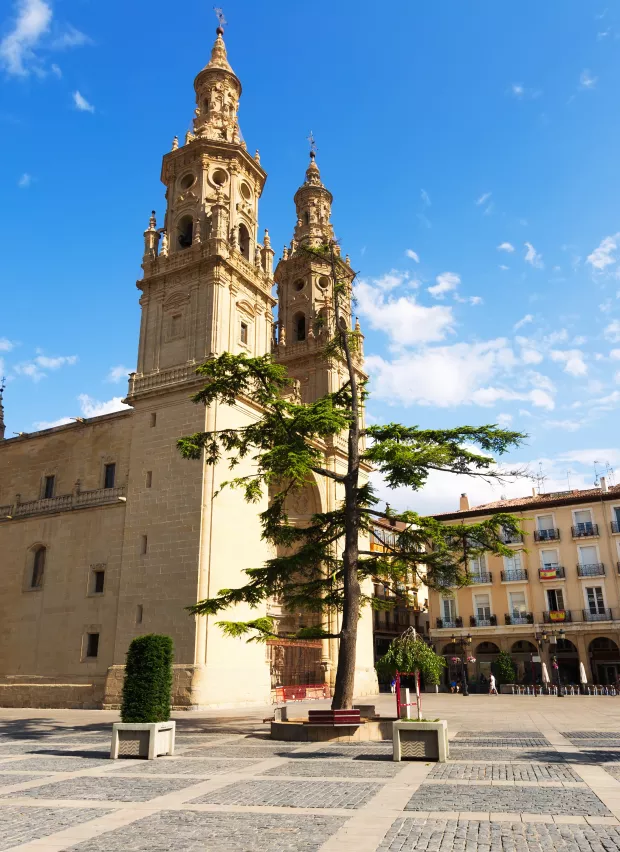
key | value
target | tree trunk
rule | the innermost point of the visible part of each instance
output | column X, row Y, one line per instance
column 345, row 674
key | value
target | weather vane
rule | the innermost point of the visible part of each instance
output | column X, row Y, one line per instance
column 313, row 148
column 219, row 13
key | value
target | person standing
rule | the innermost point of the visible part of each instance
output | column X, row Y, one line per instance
column 492, row 685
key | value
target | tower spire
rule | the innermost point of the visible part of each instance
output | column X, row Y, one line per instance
column 314, row 206
column 2, row 425
column 218, row 90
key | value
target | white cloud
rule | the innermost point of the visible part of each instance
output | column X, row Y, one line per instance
column 504, row 419
column 603, row 256
column 51, row 424
column 81, row 103
column 426, row 199
column 55, row 69
column 391, row 280
column 614, row 354
column 476, row 300
column 403, row 319
column 30, row 370
column 94, row 408
column 564, row 425
column 531, row 356
column 118, row 374
column 617, row 377
column 504, row 268
column 413, row 255
column 6, row 345
column 517, row 90
column 589, row 456
column 32, row 22
column 523, row 321
column 24, row 181
column 587, row 80
column 446, row 282
column 70, row 38
column 506, row 247
column 612, row 331
column 483, row 199
column 533, row 257
column 572, row 359
column 55, row 363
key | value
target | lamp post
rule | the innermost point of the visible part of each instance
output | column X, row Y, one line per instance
column 464, row 642
column 550, row 637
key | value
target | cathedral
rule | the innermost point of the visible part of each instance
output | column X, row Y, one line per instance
column 106, row 533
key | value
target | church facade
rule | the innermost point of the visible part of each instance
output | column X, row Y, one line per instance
column 106, row 533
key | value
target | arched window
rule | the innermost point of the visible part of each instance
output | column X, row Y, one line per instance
column 299, row 327
column 307, row 218
column 244, row 241
column 38, row 568
column 185, row 232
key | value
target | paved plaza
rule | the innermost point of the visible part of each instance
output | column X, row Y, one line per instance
column 525, row 774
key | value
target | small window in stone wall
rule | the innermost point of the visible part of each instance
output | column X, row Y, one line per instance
column 48, row 487
column 98, row 581
column 92, row 645
column 243, row 334
column 109, row 475
column 139, row 613
column 175, row 326
column 38, row 568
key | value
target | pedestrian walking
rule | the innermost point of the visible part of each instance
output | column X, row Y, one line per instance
column 492, row 685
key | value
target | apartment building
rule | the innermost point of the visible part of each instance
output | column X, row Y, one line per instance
column 555, row 600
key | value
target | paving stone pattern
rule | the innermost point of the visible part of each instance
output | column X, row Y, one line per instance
column 501, row 735
column 488, row 799
column 9, row 780
column 491, row 742
column 436, row 835
column 52, row 764
column 179, row 766
column 257, row 751
column 105, row 788
column 17, row 826
column 505, row 755
column 591, row 735
column 296, row 794
column 503, row 772
column 338, row 769
column 191, row 831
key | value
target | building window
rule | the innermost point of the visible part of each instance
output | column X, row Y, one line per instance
column 244, row 333
column 517, row 604
column 583, row 522
column 299, row 327
column 149, row 478
column 482, row 607
column 153, row 419
column 549, row 558
column 48, row 487
column 477, row 565
column 109, row 475
column 244, row 241
column 38, row 568
column 92, row 645
column 139, row 613
column 185, row 232
column 513, row 562
column 144, row 543
column 555, row 600
column 449, row 609
column 596, row 601
column 98, row 581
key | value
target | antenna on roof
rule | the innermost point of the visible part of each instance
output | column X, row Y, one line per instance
column 611, row 474
column 568, row 473
column 540, row 479
column 596, row 474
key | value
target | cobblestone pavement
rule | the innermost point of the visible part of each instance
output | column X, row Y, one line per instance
column 292, row 794
column 484, row 797
column 503, row 772
column 218, row 832
column 518, row 789
column 454, row 836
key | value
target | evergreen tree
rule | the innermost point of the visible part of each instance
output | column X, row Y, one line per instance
column 322, row 567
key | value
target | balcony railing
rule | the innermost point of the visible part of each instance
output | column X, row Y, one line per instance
column 443, row 623
column 595, row 570
column 546, row 535
column 551, row 572
column 512, row 538
column 557, row 616
column 519, row 618
column 514, row 575
column 491, row 621
column 615, row 527
column 481, row 579
column 603, row 615
column 63, row 503
column 585, row 530
column 394, row 619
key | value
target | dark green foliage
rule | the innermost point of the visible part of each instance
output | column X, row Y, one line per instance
column 148, row 680
column 408, row 653
column 504, row 668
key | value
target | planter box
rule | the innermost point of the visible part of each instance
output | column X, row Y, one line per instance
column 148, row 740
column 420, row 740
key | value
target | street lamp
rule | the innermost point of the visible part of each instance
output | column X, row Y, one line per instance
column 464, row 642
column 547, row 637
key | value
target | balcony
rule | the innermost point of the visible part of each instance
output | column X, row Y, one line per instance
column 515, row 576
column 449, row 623
column 63, row 503
column 585, row 530
column 491, row 621
column 481, row 579
column 557, row 616
column 546, row 535
column 615, row 527
column 519, row 618
column 394, row 620
column 551, row 572
column 512, row 538
column 603, row 615
column 596, row 570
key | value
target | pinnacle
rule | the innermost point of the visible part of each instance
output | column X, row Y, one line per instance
column 219, row 59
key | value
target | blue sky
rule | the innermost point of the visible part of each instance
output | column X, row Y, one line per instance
column 472, row 153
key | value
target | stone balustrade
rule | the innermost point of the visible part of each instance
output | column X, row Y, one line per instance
column 62, row 503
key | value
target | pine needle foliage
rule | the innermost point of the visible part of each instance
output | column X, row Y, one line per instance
column 323, row 567
column 148, row 680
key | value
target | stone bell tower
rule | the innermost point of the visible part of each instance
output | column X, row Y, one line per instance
column 306, row 319
column 206, row 290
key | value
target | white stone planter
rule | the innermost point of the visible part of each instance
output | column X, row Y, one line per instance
column 420, row 740
column 149, row 740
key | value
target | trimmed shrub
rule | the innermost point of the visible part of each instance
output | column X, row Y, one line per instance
column 504, row 668
column 148, row 680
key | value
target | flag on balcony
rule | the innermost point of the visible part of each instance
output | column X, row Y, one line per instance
column 548, row 573
column 557, row 615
